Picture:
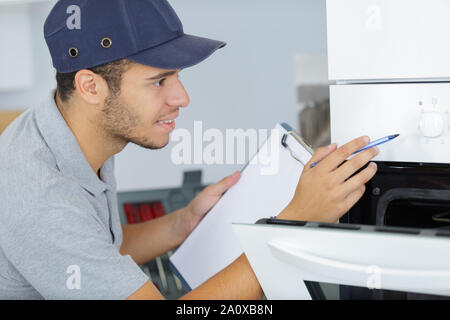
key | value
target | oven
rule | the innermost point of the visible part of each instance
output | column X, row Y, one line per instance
column 405, row 197
column 389, row 61
column 392, row 75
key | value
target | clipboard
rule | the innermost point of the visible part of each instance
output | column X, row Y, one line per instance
column 300, row 140
column 213, row 245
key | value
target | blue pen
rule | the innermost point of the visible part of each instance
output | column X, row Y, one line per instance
column 370, row 145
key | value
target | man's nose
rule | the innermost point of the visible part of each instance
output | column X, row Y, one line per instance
column 179, row 97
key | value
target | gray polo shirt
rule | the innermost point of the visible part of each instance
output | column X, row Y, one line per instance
column 60, row 231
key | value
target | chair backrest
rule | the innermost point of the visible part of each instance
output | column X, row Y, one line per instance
column 6, row 118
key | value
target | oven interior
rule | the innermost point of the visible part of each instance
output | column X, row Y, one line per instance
column 411, row 195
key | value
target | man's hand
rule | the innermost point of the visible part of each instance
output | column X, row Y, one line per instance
column 324, row 193
column 206, row 199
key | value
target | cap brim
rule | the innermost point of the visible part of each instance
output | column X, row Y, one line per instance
column 179, row 53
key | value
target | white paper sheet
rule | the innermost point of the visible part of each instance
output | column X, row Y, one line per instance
column 264, row 190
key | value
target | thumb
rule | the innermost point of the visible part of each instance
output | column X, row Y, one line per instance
column 224, row 184
column 322, row 153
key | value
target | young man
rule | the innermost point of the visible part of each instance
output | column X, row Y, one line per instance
column 117, row 82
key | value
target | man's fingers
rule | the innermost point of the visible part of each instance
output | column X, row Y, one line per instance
column 354, row 197
column 224, row 184
column 334, row 160
column 357, row 162
column 321, row 154
column 359, row 180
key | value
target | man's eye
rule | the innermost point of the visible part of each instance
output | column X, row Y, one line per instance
column 159, row 82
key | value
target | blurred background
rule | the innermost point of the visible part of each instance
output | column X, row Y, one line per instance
column 274, row 69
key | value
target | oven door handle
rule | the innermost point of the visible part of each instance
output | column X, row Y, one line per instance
column 374, row 276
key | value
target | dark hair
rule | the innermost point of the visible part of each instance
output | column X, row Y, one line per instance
column 112, row 73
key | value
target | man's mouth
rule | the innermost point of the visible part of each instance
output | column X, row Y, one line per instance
column 166, row 121
column 168, row 124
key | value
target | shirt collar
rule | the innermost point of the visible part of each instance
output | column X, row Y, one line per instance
column 70, row 160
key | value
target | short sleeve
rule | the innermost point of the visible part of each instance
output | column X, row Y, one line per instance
column 65, row 252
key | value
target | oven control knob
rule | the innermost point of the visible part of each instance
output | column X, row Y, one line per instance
column 432, row 124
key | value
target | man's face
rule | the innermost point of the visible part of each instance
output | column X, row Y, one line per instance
column 145, row 109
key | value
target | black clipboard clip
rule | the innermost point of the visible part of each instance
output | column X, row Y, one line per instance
column 299, row 140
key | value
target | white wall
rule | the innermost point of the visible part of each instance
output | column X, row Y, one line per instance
column 15, row 76
column 42, row 72
column 248, row 84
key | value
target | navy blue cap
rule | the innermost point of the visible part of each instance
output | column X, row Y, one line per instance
column 83, row 34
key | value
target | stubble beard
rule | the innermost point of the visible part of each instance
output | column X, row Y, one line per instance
column 119, row 122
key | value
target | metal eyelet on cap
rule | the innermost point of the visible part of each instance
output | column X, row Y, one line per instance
column 73, row 52
column 106, row 43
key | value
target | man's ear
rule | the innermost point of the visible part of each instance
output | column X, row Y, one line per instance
column 91, row 87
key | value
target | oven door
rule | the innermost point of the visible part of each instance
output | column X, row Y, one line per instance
column 298, row 260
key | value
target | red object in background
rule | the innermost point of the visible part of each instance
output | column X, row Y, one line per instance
column 158, row 209
column 145, row 212
column 136, row 213
column 131, row 213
